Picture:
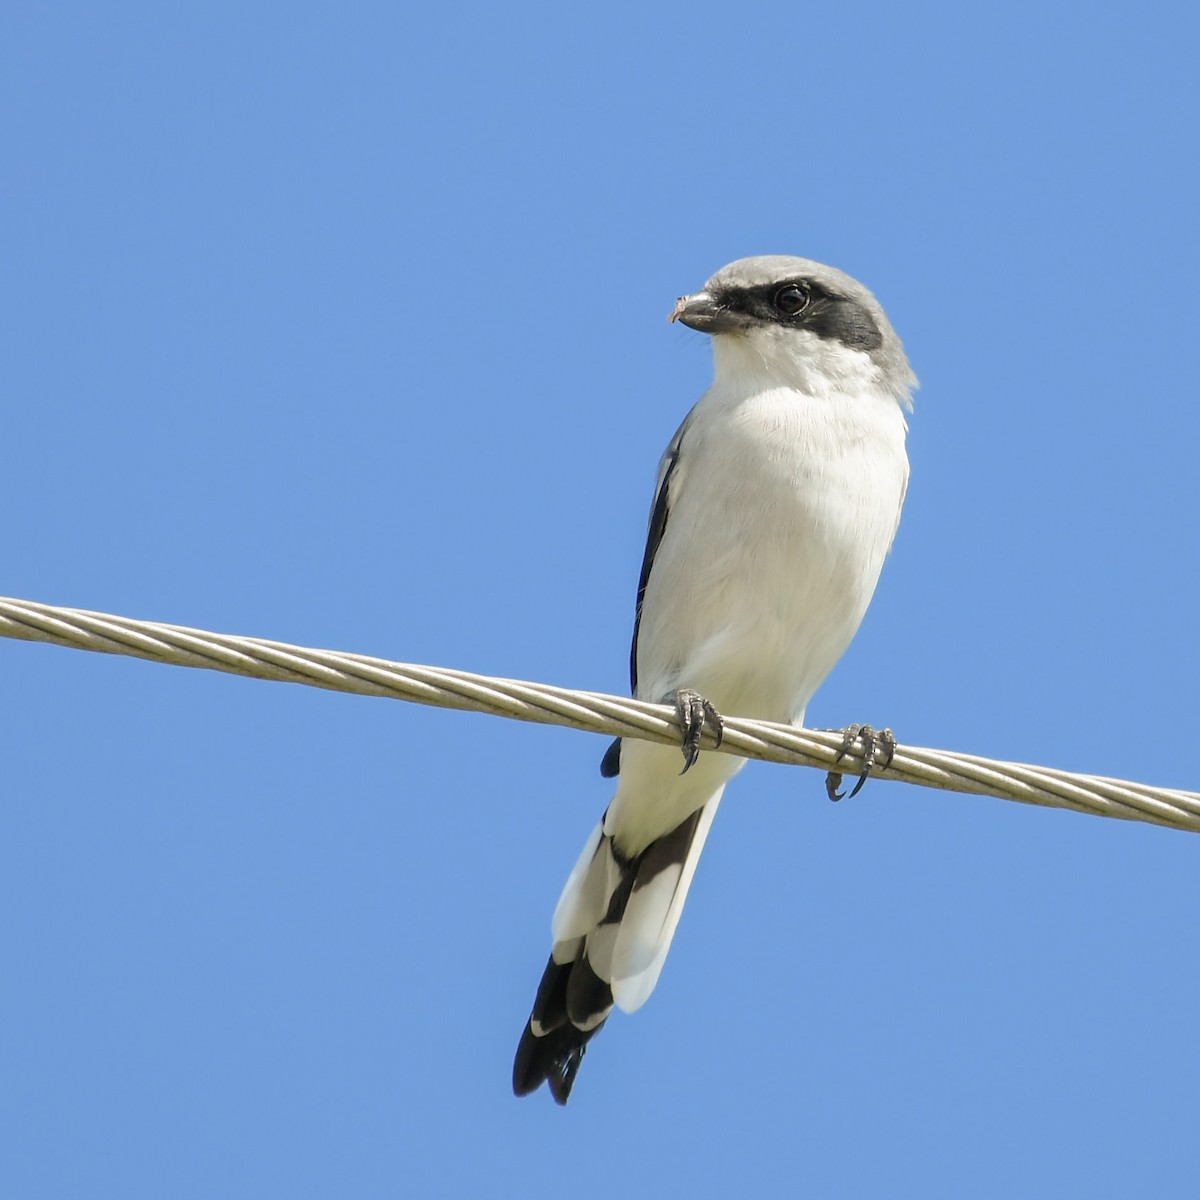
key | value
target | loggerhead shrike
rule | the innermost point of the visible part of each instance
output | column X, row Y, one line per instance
column 777, row 501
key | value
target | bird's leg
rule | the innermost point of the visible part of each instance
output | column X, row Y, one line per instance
column 873, row 741
column 694, row 712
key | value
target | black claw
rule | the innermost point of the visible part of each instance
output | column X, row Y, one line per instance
column 873, row 741
column 693, row 712
column 849, row 737
column 717, row 722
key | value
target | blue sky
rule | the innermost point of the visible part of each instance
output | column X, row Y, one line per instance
column 345, row 326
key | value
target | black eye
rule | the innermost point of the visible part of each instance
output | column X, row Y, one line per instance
column 791, row 299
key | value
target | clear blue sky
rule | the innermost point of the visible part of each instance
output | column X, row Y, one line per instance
column 344, row 325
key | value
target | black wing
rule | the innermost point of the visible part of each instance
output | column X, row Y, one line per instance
column 668, row 470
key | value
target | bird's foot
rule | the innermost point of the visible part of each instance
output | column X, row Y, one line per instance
column 874, row 741
column 694, row 712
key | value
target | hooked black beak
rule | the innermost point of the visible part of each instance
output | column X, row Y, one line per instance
column 701, row 311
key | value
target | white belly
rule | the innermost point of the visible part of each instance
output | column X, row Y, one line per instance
column 784, row 511
column 783, row 516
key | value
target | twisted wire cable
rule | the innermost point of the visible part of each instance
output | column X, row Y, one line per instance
column 593, row 712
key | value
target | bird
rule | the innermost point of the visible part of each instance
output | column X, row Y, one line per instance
column 776, row 503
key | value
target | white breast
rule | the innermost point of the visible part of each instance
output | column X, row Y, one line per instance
column 784, row 508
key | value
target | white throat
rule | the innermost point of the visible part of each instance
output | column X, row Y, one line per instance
column 767, row 357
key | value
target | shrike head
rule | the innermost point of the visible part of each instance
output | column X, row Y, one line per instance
column 797, row 323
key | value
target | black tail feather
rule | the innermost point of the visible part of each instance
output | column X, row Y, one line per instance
column 573, row 1001
column 553, row 1057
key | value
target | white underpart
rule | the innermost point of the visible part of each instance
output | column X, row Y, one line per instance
column 783, row 506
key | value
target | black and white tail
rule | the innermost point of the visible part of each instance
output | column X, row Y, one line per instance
column 612, row 930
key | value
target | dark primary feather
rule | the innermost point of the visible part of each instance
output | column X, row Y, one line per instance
column 610, row 764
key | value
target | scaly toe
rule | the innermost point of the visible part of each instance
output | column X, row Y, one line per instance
column 874, row 741
column 693, row 712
